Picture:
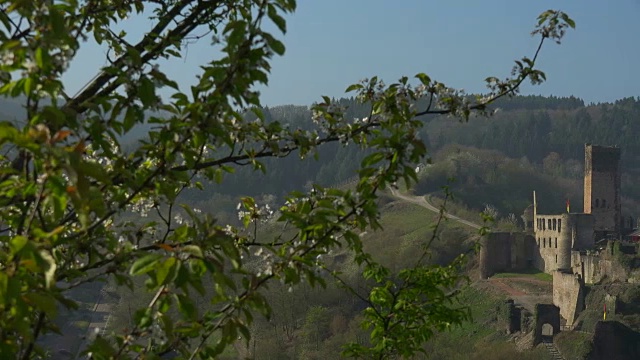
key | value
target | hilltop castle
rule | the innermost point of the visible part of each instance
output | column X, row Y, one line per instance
column 575, row 247
column 563, row 241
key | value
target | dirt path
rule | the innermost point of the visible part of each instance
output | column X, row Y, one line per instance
column 421, row 201
column 528, row 280
column 525, row 297
column 502, row 286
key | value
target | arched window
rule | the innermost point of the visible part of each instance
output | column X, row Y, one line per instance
column 554, row 224
column 544, row 242
column 559, row 225
column 604, row 203
column 597, row 203
column 549, row 221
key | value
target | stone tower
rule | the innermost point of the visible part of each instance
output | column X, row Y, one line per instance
column 602, row 188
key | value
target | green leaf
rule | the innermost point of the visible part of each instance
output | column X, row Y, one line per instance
column 28, row 85
column 193, row 250
column 17, row 243
column 38, row 56
column 131, row 117
column 568, row 20
column 43, row 302
column 94, row 170
column 166, row 271
column 57, row 21
column 147, row 92
column 354, row 87
column 186, row 307
column 4, row 285
column 7, row 132
column 280, row 22
column 145, row 264
column 372, row 159
column 424, row 79
column 277, row 46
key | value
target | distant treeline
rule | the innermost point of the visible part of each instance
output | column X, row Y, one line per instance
column 525, row 127
column 562, row 127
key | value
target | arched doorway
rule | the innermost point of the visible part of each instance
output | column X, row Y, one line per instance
column 547, row 322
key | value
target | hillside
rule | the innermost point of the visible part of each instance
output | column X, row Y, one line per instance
column 516, row 152
column 546, row 133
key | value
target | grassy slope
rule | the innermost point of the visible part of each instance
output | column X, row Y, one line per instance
column 573, row 345
column 484, row 337
column 530, row 273
column 406, row 226
column 406, row 229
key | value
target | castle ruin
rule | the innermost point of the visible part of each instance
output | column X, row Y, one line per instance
column 565, row 245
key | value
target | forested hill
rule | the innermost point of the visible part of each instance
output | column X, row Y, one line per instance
column 561, row 125
column 531, row 127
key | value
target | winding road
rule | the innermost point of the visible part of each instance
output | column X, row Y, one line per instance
column 422, row 201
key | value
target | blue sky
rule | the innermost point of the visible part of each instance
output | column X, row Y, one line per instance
column 334, row 43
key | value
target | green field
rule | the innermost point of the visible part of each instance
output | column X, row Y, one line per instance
column 529, row 273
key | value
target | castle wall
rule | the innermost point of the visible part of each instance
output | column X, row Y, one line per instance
column 612, row 270
column 504, row 251
column 582, row 231
column 493, row 254
column 568, row 295
column 587, row 265
column 602, row 187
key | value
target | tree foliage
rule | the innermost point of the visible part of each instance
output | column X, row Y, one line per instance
column 66, row 181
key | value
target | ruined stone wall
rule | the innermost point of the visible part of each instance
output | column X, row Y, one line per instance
column 504, row 251
column 612, row 270
column 493, row 254
column 522, row 248
column 568, row 295
column 581, row 231
column 602, row 187
column 587, row 265
column 609, row 264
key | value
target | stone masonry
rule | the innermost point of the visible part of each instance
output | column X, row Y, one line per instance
column 602, row 187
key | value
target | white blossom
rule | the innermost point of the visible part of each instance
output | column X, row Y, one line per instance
column 30, row 66
column 8, row 58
